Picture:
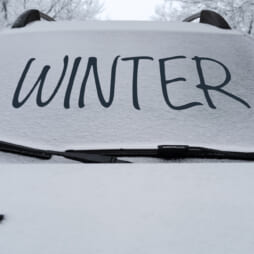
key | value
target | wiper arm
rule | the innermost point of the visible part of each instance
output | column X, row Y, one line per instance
column 172, row 152
column 48, row 154
column 178, row 152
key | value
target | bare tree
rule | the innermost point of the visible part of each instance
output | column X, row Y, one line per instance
column 239, row 13
column 58, row 9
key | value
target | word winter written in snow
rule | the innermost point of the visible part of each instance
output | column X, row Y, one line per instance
column 92, row 69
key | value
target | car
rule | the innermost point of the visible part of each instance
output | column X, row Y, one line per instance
column 126, row 137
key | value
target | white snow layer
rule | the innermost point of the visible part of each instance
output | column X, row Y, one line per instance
column 187, row 208
column 119, row 26
column 229, row 126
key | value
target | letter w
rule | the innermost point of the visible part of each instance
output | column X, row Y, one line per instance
column 40, row 83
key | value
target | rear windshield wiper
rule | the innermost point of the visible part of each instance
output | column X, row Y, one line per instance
column 48, row 154
column 166, row 152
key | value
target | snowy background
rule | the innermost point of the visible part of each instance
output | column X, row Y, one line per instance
column 239, row 13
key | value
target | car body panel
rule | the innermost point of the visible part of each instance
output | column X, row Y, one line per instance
column 60, row 207
column 141, row 208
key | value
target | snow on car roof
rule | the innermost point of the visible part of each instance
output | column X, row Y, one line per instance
column 120, row 25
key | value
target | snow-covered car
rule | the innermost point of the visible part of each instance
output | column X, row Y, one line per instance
column 112, row 134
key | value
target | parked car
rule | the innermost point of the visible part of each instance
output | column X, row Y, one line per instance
column 126, row 137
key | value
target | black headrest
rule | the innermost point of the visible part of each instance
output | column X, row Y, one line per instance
column 210, row 18
column 214, row 19
column 29, row 17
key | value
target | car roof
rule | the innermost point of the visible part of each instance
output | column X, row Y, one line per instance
column 186, row 27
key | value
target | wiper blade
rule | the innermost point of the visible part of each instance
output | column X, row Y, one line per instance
column 184, row 152
column 48, row 154
column 166, row 152
column 173, row 152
